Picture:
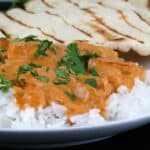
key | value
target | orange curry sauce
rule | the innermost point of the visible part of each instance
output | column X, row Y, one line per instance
column 112, row 72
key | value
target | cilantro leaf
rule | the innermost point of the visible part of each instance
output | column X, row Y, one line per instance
column 43, row 78
column 72, row 60
column 30, row 38
column 93, row 72
column 27, row 68
column 18, row 3
column 88, row 56
column 71, row 96
column 53, row 48
column 27, row 38
column 61, row 81
column 3, row 38
column 61, row 77
column 43, row 47
column 61, row 73
column 2, row 59
column 47, row 69
column 5, row 84
column 91, row 82
column 3, row 49
column 39, row 77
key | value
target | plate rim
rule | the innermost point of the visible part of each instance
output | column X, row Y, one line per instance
column 113, row 124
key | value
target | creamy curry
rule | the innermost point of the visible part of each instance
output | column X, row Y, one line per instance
column 79, row 76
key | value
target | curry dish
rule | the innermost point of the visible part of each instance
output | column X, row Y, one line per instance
column 79, row 76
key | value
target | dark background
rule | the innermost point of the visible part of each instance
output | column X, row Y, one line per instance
column 135, row 139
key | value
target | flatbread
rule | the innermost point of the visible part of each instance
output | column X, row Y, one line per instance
column 120, row 25
column 15, row 30
column 121, row 29
column 49, row 24
column 140, row 3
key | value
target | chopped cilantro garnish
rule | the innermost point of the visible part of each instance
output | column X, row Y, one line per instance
column 60, row 81
column 18, row 3
column 39, row 77
column 72, row 60
column 93, row 72
column 88, row 56
column 61, row 73
column 91, row 82
column 27, row 68
column 3, row 49
column 5, row 84
column 47, row 69
column 53, row 48
column 71, row 96
column 3, row 38
column 26, row 39
column 2, row 59
column 43, row 78
column 62, row 77
column 17, row 40
column 43, row 47
column 30, row 38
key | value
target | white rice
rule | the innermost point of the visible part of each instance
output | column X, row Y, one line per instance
column 121, row 105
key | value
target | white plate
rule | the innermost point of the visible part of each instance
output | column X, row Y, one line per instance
column 72, row 136
column 66, row 137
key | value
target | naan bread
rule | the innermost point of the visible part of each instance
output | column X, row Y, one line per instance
column 49, row 24
column 15, row 30
column 118, row 25
column 140, row 3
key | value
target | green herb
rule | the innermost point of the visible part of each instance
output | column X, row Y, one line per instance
column 93, row 72
column 60, row 81
column 30, row 38
column 26, row 39
column 54, row 50
column 3, row 38
column 61, row 73
column 39, row 77
column 71, row 96
column 2, row 59
column 43, row 78
column 18, row 3
column 27, row 68
column 3, row 49
column 47, row 69
column 17, row 40
column 72, row 60
column 61, row 77
column 5, row 84
column 91, row 82
column 43, row 47
column 88, row 56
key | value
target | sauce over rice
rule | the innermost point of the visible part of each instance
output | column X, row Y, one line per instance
column 80, row 76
